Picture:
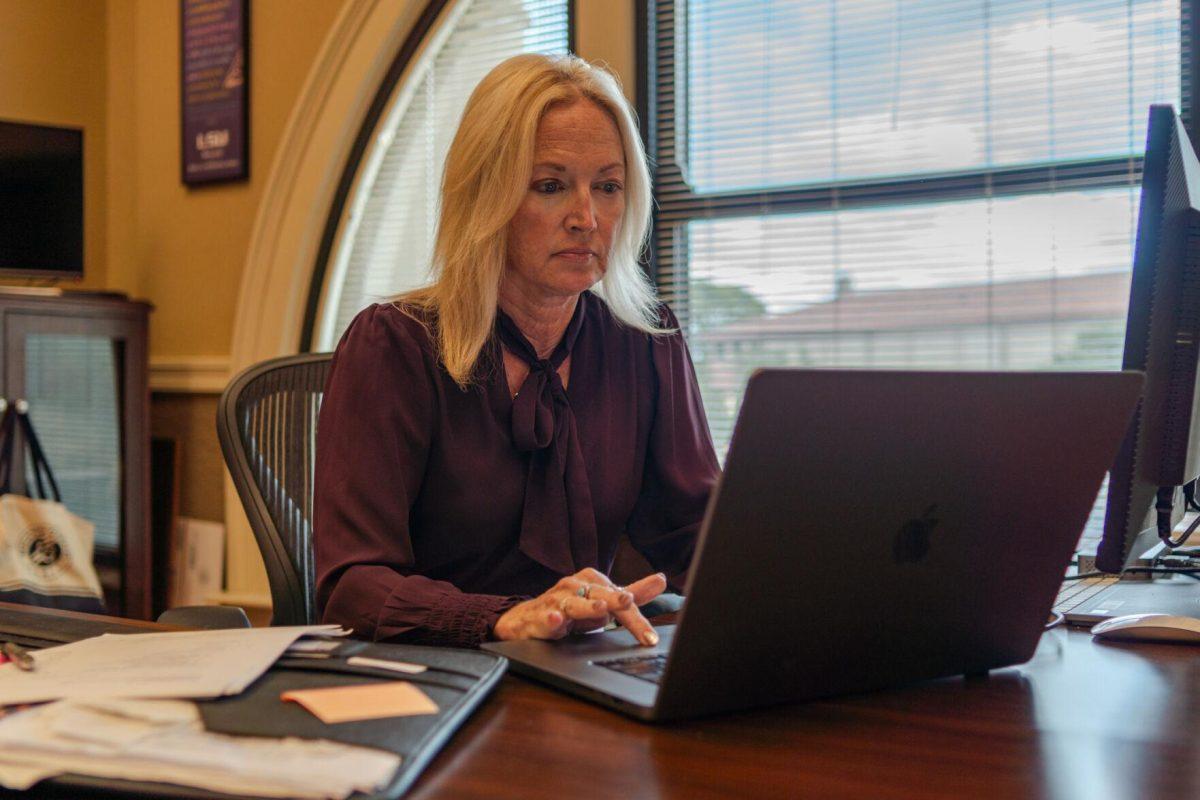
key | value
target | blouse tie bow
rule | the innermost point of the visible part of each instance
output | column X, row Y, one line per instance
column 558, row 523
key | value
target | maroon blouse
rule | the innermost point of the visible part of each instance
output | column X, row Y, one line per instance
column 422, row 528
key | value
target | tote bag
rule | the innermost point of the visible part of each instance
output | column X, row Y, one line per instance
column 45, row 550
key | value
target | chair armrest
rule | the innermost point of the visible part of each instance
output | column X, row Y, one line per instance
column 205, row 617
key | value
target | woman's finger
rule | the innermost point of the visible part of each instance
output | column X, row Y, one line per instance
column 636, row 624
column 647, row 588
column 546, row 623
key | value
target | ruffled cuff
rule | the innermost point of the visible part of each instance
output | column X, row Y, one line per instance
column 465, row 620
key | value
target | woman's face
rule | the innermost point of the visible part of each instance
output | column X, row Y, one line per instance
column 560, row 238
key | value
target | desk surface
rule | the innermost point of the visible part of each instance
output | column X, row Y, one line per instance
column 1080, row 720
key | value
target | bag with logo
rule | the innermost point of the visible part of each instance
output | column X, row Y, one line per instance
column 45, row 550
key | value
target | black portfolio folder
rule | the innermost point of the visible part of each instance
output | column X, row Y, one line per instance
column 456, row 680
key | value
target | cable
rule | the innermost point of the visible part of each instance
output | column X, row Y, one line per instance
column 1056, row 618
column 1177, row 559
column 1189, row 497
column 1174, row 543
column 1191, row 573
column 1164, row 506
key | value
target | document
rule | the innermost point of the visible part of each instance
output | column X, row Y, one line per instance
column 183, row 664
column 164, row 741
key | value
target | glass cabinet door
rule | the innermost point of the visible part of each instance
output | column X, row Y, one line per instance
column 81, row 366
column 72, row 387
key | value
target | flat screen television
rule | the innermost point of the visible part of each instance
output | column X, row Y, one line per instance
column 41, row 201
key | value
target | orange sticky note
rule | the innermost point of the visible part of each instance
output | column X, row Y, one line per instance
column 369, row 701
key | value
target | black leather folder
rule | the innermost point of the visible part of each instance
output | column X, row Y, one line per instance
column 456, row 680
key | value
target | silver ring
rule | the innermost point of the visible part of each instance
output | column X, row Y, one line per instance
column 584, row 591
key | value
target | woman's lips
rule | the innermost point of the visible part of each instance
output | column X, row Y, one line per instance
column 575, row 255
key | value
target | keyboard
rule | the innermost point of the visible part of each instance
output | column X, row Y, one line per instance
column 648, row 668
column 1075, row 593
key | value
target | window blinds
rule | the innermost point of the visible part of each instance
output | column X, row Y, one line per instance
column 797, row 92
column 936, row 184
column 386, row 237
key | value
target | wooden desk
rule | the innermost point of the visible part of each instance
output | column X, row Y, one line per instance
column 1080, row 720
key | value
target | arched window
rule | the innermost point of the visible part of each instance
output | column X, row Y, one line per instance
column 385, row 227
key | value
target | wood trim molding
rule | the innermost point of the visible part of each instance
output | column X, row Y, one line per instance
column 291, row 217
column 189, row 374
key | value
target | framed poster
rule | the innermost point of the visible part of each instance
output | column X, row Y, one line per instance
column 214, row 59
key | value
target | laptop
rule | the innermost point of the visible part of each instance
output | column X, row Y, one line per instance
column 871, row 529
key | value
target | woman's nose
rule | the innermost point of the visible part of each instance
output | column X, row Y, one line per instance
column 582, row 215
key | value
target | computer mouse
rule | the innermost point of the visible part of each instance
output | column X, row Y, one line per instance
column 1149, row 628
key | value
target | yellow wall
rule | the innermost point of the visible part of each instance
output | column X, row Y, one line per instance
column 183, row 248
column 38, row 84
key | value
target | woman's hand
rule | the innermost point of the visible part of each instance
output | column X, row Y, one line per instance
column 582, row 602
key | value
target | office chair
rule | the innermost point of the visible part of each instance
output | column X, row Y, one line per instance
column 267, row 426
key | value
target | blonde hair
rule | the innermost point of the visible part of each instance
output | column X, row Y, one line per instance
column 486, row 176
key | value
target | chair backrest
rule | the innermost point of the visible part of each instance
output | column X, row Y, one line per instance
column 267, row 425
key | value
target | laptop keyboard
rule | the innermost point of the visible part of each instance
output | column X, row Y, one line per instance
column 1075, row 593
column 648, row 668
column 1071, row 595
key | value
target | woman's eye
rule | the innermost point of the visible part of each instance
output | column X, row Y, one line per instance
column 610, row 187
column 549, row 187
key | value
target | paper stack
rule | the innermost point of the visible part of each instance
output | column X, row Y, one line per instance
column 164, row 741
column 184, row 664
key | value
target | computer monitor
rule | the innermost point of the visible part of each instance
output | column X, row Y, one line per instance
column 1160, row 455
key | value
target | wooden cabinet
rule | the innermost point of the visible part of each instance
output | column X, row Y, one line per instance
column 80, row 360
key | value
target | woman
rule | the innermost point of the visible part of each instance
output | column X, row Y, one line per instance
column 484, row 441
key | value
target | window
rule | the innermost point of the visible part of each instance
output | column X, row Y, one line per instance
column 385, row 237
column 934, row 184
column 878, row 183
